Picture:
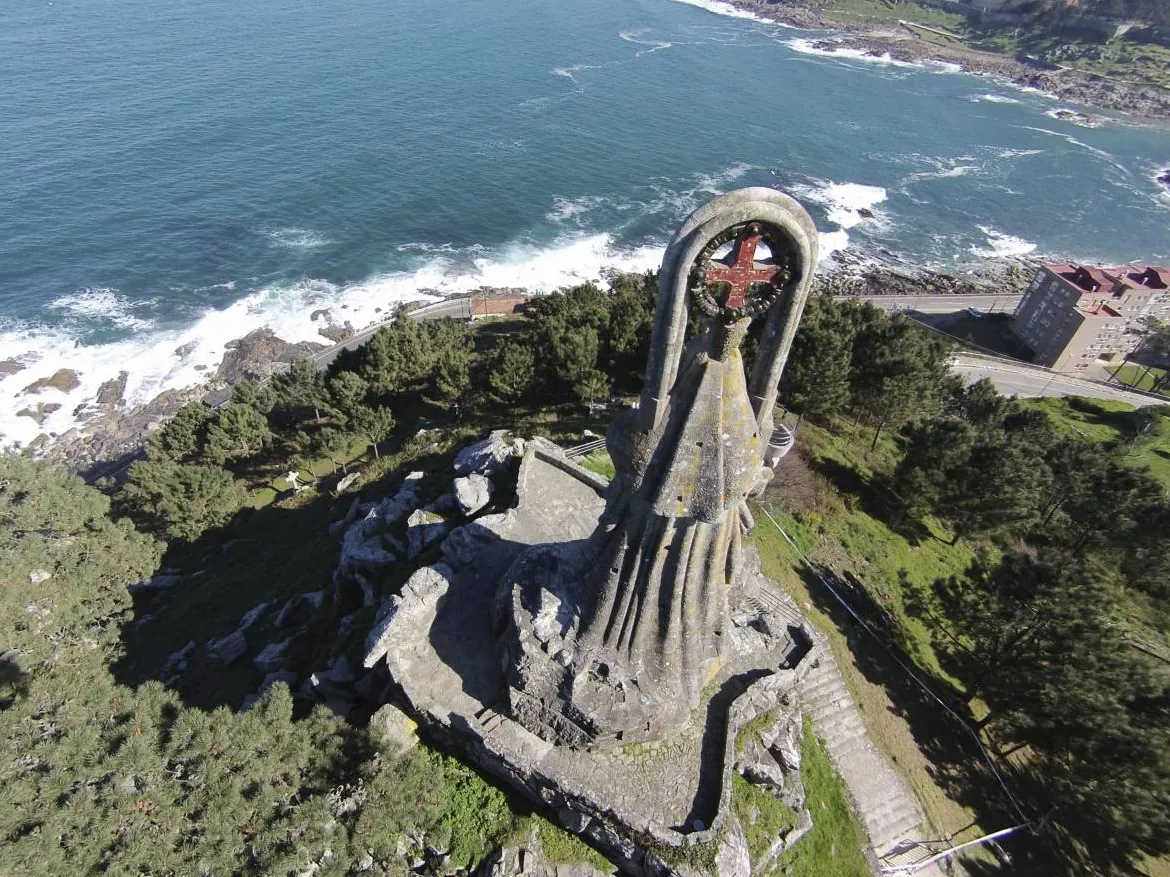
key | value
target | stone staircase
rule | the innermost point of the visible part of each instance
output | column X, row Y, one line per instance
column 887, row 808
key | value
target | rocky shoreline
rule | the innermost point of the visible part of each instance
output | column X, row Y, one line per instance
column 111, row 434
column 1140, row 104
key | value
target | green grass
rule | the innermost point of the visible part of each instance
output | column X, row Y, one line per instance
column 599, row 463
column 1105, row 423
column 1138, row 376
column 562, row 848
column 762, row 816
column 879, row 12
column 834, row 846
column 844, row 531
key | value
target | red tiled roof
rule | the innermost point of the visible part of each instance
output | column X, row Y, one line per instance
column 1146, row 276
column 1084, row 277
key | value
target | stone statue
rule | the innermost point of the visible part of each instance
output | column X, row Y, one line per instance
column 589, row 615
column 648, row 606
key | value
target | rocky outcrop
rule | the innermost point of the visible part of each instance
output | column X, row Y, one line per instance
column 259, row 355
column 472, row 492
column 66, row 380
column 489, row 456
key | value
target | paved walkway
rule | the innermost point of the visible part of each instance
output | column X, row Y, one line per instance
column 887, row 808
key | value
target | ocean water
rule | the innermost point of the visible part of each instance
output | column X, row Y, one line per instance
column 175, row 175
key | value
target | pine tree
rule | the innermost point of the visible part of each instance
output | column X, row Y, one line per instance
column 347, row 393
column 237, row 431
column 816, row 376
column 179, row 500
column 512, row 374
column 374, row 424
column 181, row 438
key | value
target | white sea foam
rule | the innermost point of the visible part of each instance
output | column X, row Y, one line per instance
column 1068, row 138
column 1002, row 245
column 566, row 209
column 1018, row 153
column 570, row 73
column 993, row 99
column 296, row 238
column 806, row 46
column 639, row 38
column 943, row 173
column 726, row 9
column 153, row 363
column 98, row 305
column 843, row 201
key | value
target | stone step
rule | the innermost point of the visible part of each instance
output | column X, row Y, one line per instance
column 884, row 803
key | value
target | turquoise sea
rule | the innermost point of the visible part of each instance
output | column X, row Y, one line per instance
column 173, row 175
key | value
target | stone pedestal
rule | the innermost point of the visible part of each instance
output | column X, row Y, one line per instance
column 451, row 648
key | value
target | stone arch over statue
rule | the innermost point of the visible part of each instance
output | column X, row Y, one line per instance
column 771, row 209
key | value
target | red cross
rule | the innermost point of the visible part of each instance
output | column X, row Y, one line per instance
column 742, row 272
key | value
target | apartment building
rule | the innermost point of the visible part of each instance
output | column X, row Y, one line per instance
column 1073, row 315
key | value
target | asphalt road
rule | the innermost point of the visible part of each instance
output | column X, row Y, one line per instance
column 944, row 304
column 1028, row 381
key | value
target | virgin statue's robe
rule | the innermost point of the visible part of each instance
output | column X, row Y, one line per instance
column 674, row 547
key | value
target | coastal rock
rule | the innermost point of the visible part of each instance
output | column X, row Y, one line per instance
column 338, row 334
column 472, row 492
column 251, row 616
column 403, row 502
column 464, row 543
column 162, row 582
column 299, row 609
column 395, row 727
column 9, row 367
column 257, row 354
column 347, row 482
column 40, row 413
column 361, row 547
column 111, row 392
column 66, row 380
column 423, row 529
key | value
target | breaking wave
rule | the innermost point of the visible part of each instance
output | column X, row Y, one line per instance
column 160, row 359
column 1002, row 245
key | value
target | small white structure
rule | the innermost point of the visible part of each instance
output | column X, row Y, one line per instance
column 293, row 479
column 782, row 441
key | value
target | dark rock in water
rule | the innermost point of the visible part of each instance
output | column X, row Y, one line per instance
column 865, row 213
column 66, row 380
column 338, row 334
column 187, row 348
column 42, row 411
column 10, row 367
column 1163, row 178
column 111, row 392
column 256, row 355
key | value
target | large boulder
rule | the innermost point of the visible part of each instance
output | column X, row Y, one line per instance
column 420, row 595
column 394, row 727
column 272, row 658
column 423, row 529
column 362, row 548
column 472, row 492
column 489, row 456
column 228, row 649
column 403, row 502
column 464, row 543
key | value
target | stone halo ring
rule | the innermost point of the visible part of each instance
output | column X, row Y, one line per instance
column 739, row 285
